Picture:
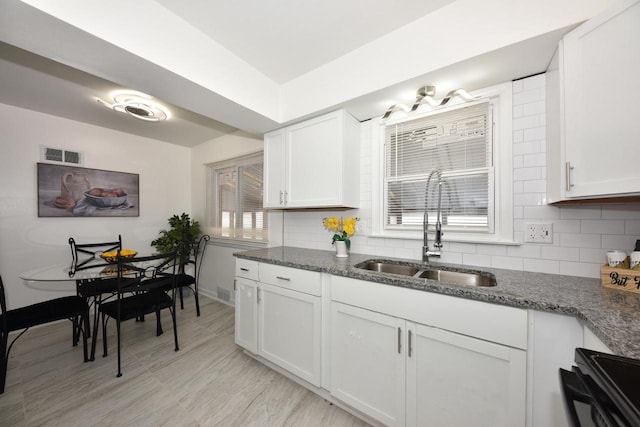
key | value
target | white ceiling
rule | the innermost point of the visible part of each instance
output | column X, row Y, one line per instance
column 255, row 65
column 287, row 38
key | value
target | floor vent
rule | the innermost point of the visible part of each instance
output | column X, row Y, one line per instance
column 59, row 155
column 223, row 294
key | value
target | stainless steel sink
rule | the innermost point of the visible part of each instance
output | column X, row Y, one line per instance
column 419, row 271
column 382, row 267
column 457, row 277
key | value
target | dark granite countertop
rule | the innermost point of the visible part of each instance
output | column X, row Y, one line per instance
column 613, row 315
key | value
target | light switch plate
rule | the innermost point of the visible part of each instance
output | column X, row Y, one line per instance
column 541, row 232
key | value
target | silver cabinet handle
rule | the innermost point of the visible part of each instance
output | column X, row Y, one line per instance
column 568, row 168
column 399, row 340
column 285, row 197
column 283, row 278
column 409, row 343
column 234, row 284
column 258, row 294
column 280, row 196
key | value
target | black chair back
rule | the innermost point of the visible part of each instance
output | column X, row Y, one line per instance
column 83, row 254
column 4, row 330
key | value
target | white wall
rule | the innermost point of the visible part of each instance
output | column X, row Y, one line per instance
column 27, row 242
column 582, row 233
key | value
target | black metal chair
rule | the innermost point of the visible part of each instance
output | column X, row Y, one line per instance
column 141, row 289
column 72, row 308
column 94, row 291
column 184, row 280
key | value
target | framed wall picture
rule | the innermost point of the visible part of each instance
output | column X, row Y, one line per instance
column 69, row 191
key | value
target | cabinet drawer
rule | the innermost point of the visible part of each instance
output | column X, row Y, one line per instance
column 247, row 269
column 305, row 281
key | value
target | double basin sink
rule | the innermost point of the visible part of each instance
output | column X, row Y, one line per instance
column 420, row 271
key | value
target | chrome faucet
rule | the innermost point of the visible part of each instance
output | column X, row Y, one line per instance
column 426, row 252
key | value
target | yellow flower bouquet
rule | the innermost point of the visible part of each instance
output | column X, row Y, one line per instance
column 343, row 228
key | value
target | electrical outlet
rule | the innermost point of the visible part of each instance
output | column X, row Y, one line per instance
column 538, row 232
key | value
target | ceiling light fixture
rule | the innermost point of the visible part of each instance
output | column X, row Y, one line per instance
column 425, row 95
column 136, row 104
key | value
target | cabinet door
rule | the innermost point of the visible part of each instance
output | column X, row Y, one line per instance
column 315, row 162
column 289, row 331
column 368, row 362
column 246, row 314
column 274, row 169
column 455, row 380
column 601, row 69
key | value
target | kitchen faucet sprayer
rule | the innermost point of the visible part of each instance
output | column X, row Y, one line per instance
column 426, row 252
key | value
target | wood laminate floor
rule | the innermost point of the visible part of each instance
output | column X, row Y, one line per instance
column 209, row 382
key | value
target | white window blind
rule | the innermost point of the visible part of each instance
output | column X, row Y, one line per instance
column 458, row 143
column 236, row 202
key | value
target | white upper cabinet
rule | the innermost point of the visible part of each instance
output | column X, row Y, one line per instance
column 313, row 164
column 592, row 110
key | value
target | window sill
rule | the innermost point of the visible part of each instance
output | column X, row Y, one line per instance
column 237, row 243
column 488, row 240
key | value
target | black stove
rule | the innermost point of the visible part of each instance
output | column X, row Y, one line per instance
column 603, row 390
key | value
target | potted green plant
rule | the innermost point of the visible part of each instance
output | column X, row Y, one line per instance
column 182, row 237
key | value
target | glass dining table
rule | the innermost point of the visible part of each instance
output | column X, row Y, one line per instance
column 89, row 271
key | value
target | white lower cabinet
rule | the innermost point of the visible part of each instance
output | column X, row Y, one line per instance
column 246, row 314
column 455, row 380
column 281, row 320
column 289, row 331
column 368, row 362
column 404, row 373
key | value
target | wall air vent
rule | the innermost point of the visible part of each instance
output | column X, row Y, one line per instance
column 60, row 155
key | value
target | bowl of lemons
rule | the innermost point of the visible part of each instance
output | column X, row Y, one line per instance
column 112, row 256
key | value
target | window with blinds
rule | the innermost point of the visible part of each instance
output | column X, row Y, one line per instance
column 458, row 143
column 236, row 200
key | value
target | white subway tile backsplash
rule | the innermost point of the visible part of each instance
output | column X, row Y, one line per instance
column 581, row 212
column 561, row 254
column 632, row 227
column 622, row 242
column 534, row 134
column 518, row 212
column 539, row 185
column 541, row 265
column 621, row 211
column 541, row 212
column 468, row 248
column 531, row 147
column 497, row 250
column 518, row 187
column 579, row 269
column 534, row 82
column 525, row 174
column 532, row 108
column 524, row 251
column 510, row 263
column 602, row 226
column 518, row 162
column 534, row 160
column 526, row 122
column 518, row 111
column 517, row 86
column 477, row 260
column 451, row 257
column 566, row 226
column 518, row 136
column 527, row 199
column 527, row 96
column 594, row 256
column 579, row 240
